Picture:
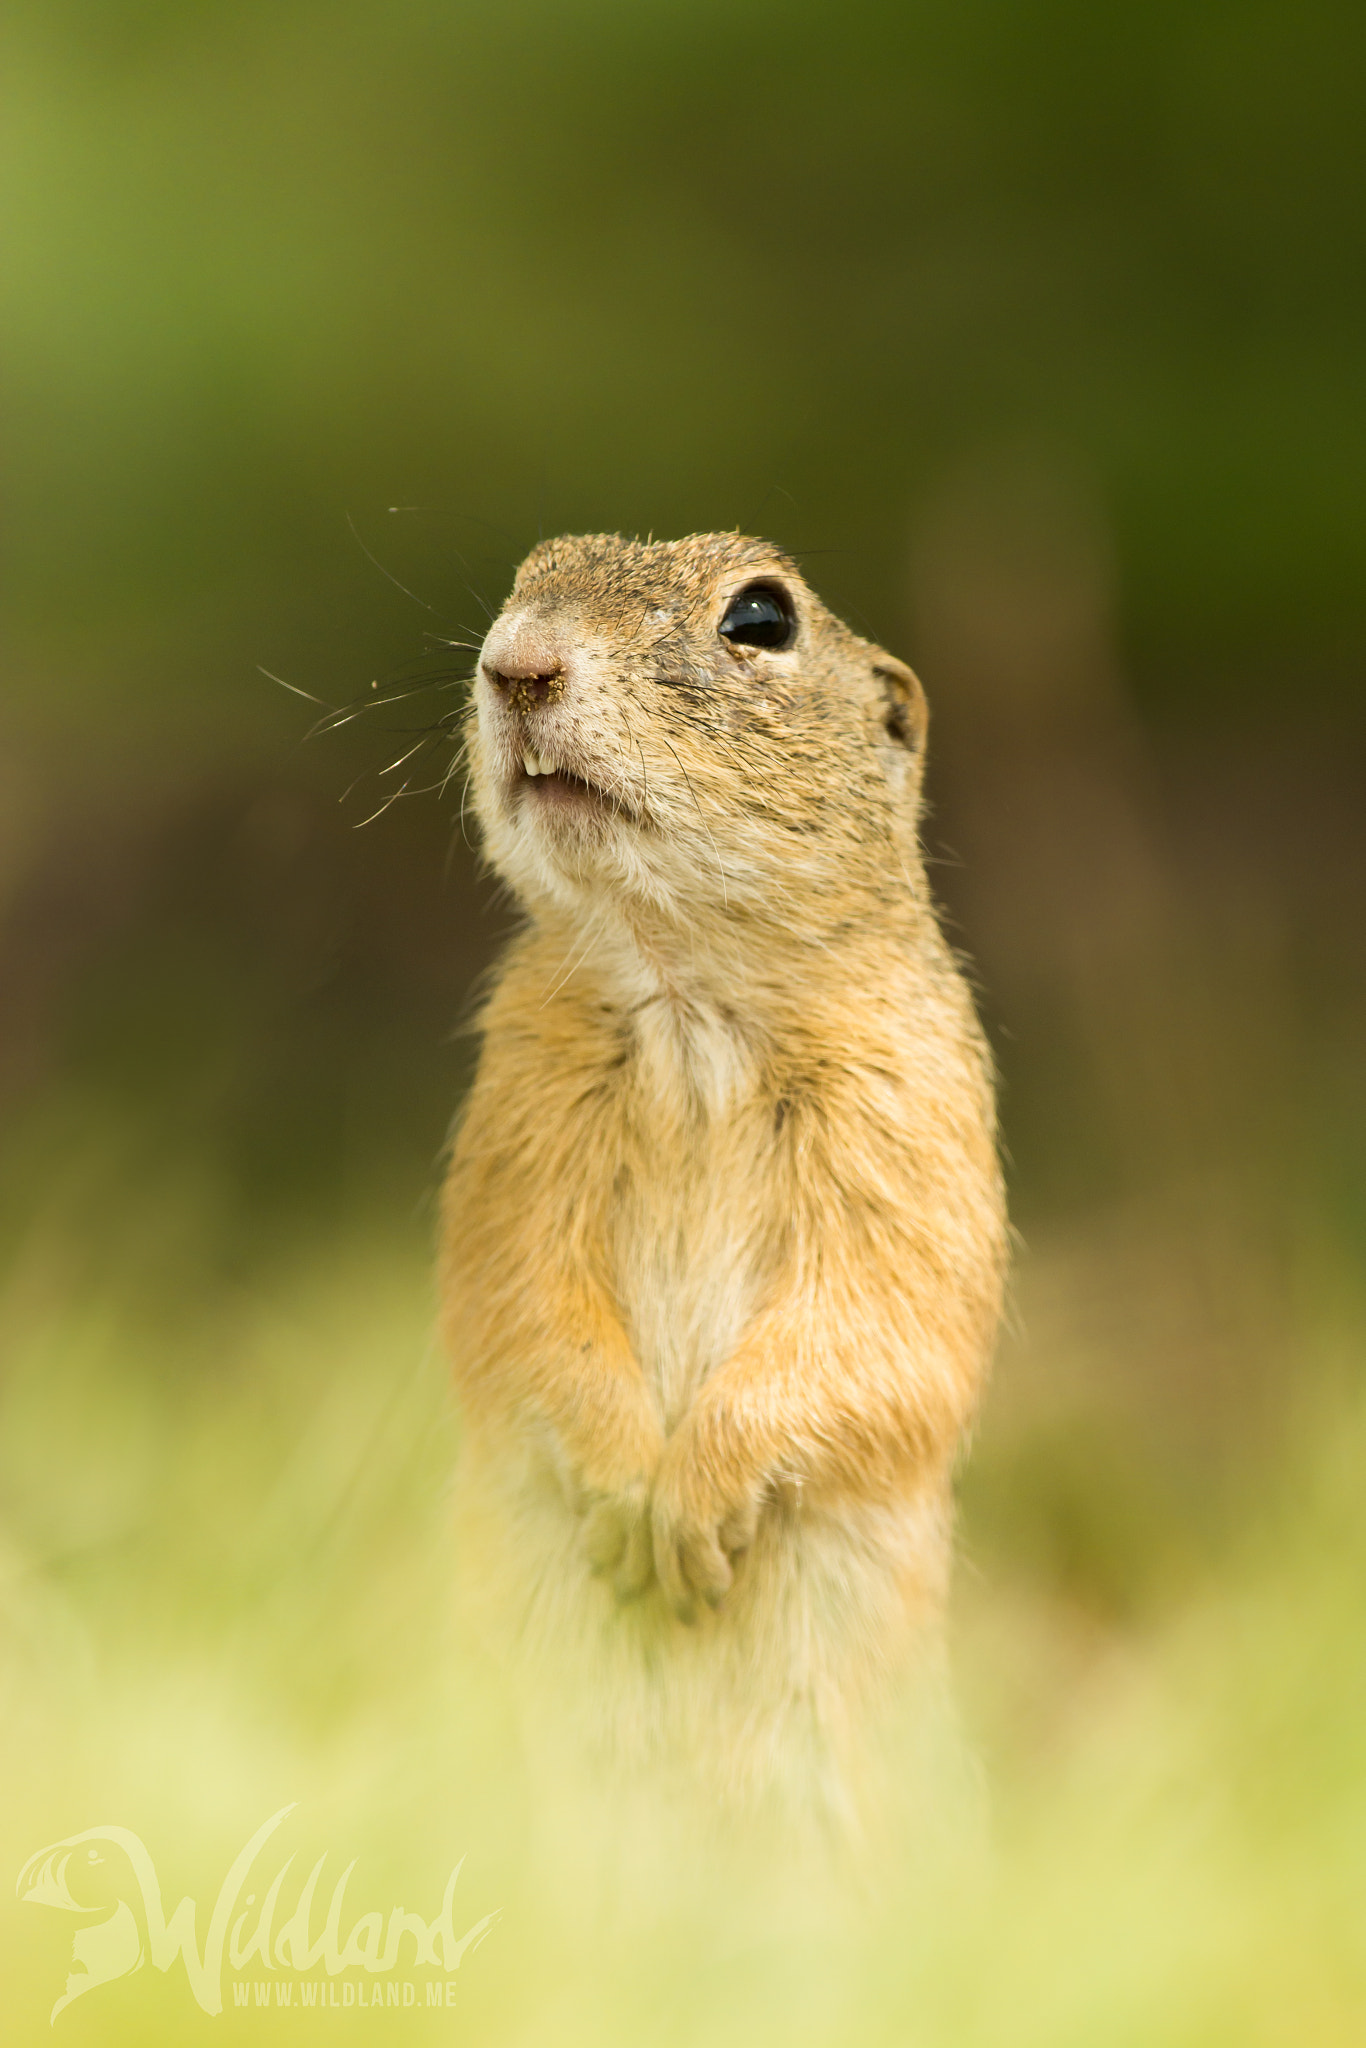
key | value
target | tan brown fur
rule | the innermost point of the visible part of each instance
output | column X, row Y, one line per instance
column 723, row 1234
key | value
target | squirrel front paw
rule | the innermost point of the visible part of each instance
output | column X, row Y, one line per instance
column 607, row 1484
column 701, row 1528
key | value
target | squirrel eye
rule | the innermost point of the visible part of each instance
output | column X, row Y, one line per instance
column 759, row 616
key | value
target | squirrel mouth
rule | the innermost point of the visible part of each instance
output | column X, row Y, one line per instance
column 544, row 782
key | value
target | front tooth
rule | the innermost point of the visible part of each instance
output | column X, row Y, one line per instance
column 529, row 762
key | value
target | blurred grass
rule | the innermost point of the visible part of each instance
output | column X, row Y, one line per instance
column 225, row 1571
column 1036, row 330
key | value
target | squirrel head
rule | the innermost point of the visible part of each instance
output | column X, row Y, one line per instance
column 683, row 726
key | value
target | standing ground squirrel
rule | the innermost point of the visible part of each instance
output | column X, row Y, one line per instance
column 723, row 1237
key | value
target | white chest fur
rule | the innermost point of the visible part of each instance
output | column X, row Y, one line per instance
column 687, row 1245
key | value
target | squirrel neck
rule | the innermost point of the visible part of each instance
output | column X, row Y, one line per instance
column 714, row 1010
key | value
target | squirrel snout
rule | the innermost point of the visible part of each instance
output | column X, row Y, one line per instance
column 521, row 663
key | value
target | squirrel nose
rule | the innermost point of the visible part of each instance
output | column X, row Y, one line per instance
column 519, row 660
column 528, row 688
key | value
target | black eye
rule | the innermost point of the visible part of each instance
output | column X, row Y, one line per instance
column 760, row 616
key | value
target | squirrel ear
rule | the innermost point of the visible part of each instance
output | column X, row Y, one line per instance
column 905, row 715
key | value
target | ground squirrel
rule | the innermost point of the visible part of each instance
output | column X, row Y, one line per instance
column 723, row 1233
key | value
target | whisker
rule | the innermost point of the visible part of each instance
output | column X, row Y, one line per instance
column 428, row 736
column 465, row 646
column 574, row 965
column 386, row 805
column 385, row 572
column 645, row 773
column 271, row 677
column 344, row 714
column 725, row 899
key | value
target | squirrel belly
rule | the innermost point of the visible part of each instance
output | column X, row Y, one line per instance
column 723, row 1235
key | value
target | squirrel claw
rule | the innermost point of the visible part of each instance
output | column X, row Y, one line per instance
column 690, row 1565
column 616, row 1542
column 636, row 1566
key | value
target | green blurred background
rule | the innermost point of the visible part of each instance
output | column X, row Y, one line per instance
column 1036, row 331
